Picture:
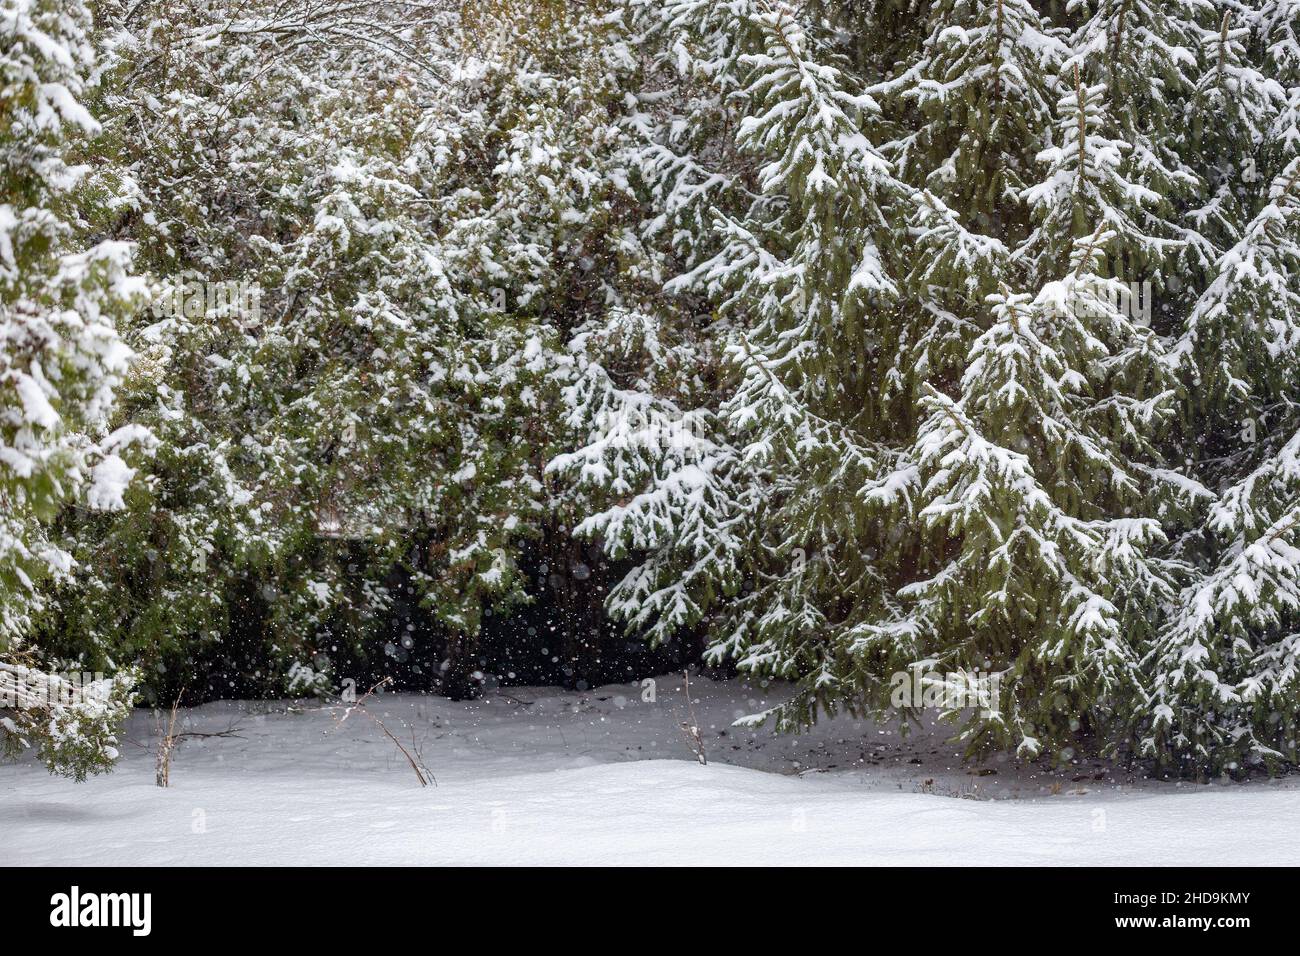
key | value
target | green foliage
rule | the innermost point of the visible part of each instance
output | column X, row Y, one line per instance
column 61, row 296
column 868, row 339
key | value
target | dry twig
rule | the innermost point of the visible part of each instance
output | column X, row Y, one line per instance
column 416, row 760
column 168, row 742
column 691, row 728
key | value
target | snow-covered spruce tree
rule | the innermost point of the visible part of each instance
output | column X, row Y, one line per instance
column 645, row 432
column 1238, row 333
column 804, row 489
column 1043, row 475
column 646, row 466
column 970, row 111
column 1140, row 61
column 816, row 283
column 60, row 362
column 1224, row 695
column 767, row 522
column 1086, row 180
column 975, row 106
column 1228, row 125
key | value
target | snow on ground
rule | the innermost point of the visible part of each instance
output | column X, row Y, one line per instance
column 538, row 775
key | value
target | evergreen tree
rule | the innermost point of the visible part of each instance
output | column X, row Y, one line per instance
column 781, row 498
column 1144, row 57
column 1047, row 498
column 1085, row 182
column 980, row 97
column 1221, row 695
column 61, row 297
column 971, row 108
column 299, row 181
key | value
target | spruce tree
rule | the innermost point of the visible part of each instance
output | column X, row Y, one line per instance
column 1222, row 697
column 1045, row 490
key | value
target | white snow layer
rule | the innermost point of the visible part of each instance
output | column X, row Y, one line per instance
column 540, row 776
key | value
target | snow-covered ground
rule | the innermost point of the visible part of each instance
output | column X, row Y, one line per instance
column 537, row 775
